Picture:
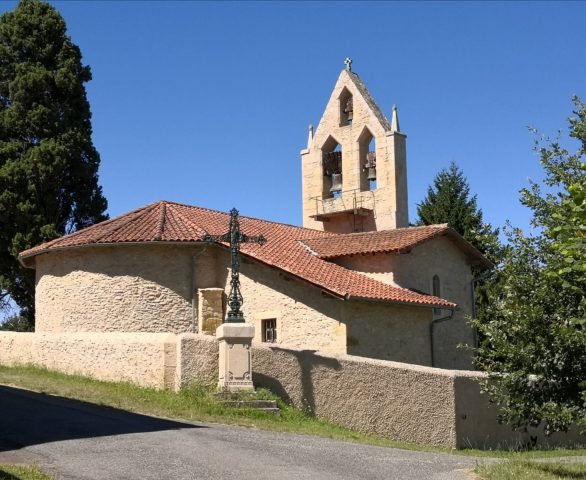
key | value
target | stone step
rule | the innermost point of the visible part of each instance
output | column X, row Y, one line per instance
column 269, row 406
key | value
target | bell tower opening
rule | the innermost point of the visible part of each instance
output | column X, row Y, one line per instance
column 346, row 102
column 332, row 168
column 354, row 172
column 367, row 159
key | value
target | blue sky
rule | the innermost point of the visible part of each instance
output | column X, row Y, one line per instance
column 209, row 103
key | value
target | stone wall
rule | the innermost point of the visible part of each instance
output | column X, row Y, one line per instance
column 183, row 288
column 210, row 309
column 399, row 401
column 387, row 203
column 147, row 359
column 305, row 317
column 395, row 400
column 388, row 332
column 122, row 288
column 415, row 270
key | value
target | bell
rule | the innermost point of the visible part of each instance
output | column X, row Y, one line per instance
column 336, row 182
column 371, row 173
column 349, row 108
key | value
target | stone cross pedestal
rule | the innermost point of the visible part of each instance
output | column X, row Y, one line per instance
column 235, row 372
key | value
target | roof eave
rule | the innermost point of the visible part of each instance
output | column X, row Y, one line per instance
column 451, row 306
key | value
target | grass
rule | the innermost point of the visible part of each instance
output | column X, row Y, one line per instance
column 199, row 403
column 523, row 469
column 21, row 472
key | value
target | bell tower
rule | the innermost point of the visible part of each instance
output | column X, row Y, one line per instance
column 354, row 169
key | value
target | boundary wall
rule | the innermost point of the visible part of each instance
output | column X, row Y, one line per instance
column 147, row 359
column 399, row 401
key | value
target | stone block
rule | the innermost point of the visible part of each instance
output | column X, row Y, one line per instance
column 235, row 362
column 210, row 308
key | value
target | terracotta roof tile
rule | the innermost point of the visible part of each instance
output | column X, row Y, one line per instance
column 285, row 248
column 400, row 240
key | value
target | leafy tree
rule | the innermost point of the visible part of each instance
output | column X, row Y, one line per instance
column 534, row 330
column 16, row 323
column 448, row 201
column 48, row 164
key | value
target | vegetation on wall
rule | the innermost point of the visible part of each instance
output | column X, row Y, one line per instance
column 534, row 327
column 48, row 163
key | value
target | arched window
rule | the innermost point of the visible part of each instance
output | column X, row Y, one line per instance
column 332, row 168
column 367, row 157
column 346, row 108
column 436, row 292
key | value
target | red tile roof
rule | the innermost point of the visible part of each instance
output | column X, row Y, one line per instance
column 285, row 249
column 400, row 240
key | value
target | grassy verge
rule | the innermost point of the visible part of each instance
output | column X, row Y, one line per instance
column 523, row 469
column 21, row 472
column 199, row 403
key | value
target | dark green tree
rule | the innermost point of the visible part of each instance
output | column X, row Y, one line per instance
column 534, row 329
column 449, row 201
column 48, row 164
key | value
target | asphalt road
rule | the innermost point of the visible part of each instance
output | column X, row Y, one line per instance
column 76, row 440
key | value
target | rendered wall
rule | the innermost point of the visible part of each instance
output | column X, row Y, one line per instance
column 415, row 270
column 395, row 400
column 399, row 401
column 170, row 288
column 388, row 332
column 123, row 288
column 147, row 359
column 305, row 317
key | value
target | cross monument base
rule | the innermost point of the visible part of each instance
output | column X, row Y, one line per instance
column 235, row 372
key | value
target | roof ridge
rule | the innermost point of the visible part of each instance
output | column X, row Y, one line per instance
column 370, row 100
column 130, row 218
column 253, row 218
column 177, row 212
column 345, row 291
column 103, row 224
column 162, row 218
column 392, row 230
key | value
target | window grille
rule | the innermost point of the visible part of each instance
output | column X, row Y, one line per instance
column 269, row 330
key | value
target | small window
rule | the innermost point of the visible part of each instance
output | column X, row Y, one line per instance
column 436, row 293
column 269, row 330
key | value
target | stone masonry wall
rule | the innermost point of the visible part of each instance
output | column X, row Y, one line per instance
column 177, row 289
column 399, row 401
column 415, row 270
column 210, row 309
column 400, row 333
column 395, row 400
column 388, row 200
column 305, row 317
column 147, row 359
column 132, row 288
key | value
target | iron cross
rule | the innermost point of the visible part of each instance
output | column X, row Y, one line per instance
column 348, row 63
column 234, row 237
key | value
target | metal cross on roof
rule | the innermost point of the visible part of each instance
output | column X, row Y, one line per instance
column 235, row 237
column 348, row 63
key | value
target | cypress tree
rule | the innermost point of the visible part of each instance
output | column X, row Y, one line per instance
column 448, row 201
column 48, row 163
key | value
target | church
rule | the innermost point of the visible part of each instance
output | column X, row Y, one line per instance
column 358, row 317
column 355, row 279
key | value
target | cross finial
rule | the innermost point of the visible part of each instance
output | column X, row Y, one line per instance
column 348, row 63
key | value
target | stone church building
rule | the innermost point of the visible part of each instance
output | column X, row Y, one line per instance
column 350, row 311
column 356, row 279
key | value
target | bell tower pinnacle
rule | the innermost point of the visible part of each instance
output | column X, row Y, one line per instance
column 354, row 169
